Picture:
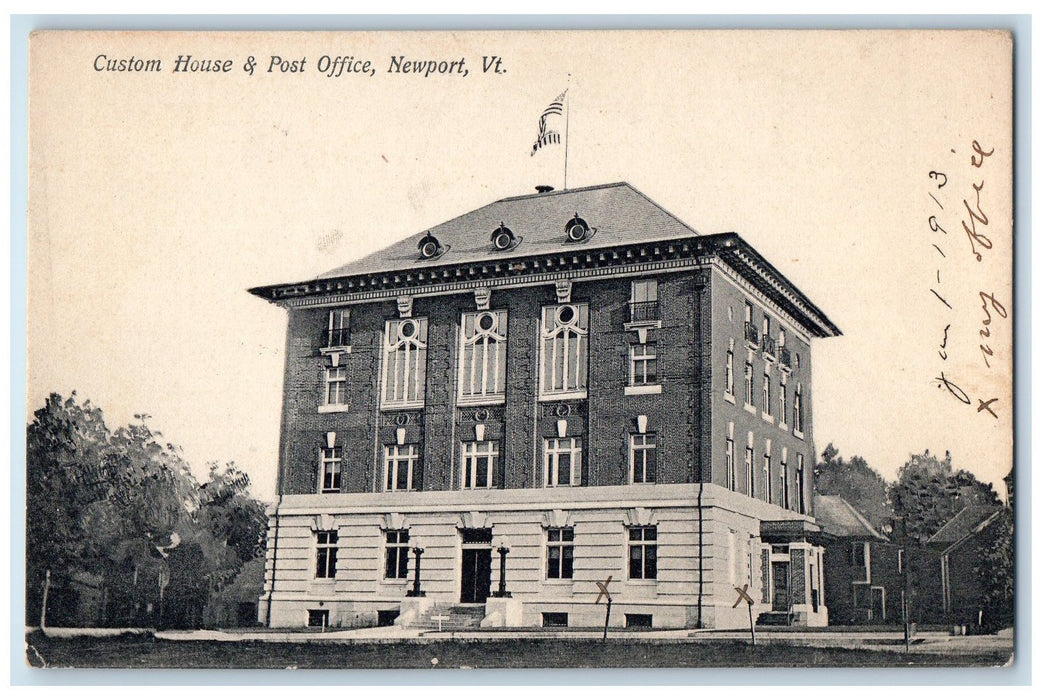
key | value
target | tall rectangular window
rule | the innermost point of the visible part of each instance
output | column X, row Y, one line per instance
column 562, row 461
column 483, row 357
column 786, row 495
column 396, row 554
column 643, row 552
column 479, row 464
column 797, row 409
column 337, row 333
column 559, row 552
column 564, row 350
column 731, row 480
column 643, row 364
column 783, row 400
column 732, row 556
column 331, row 461
column 749, row 383
column 729, row 374
column 800, row 486
column 400, row 466
column 768, row 495
column 644, row 301
column 325, row 553
column 404, row 362
column 750, row 481
column 766, row 393
column 336, row 386
column 748, row 312
column 642, row 458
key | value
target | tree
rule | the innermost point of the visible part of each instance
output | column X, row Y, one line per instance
column 856, row 482
column 123, row 505
column 66, row 448
column 994, row 571
column 929, row 492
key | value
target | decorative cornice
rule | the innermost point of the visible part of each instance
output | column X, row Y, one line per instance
column 621, row 261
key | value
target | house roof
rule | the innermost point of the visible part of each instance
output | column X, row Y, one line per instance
column 840, row 519
column 618, row 214
column 968, row 521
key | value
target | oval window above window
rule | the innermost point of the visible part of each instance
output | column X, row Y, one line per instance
column 487, row 322
column 407, row 330
column 566, row 315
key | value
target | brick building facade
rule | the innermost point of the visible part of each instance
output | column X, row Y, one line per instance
column 494, row 415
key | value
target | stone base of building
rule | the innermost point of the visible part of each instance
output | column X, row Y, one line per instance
column 702, row 556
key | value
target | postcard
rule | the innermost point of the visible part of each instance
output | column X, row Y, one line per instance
column 530, row 349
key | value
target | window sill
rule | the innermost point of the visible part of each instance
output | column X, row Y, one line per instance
column 650, row 323
column 749, row 408
column 400, row 406
column 558, row 581
column 767, row 417
column 643, row 389
column 783, row 426
column 333, row 408
column 346, row 349
column 563, row 396
column 797, row 433
column 481, row 401
column 326, row 492
column 729, row 398
column 642, row 581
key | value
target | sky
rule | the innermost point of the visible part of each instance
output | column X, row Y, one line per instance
column 157, row 199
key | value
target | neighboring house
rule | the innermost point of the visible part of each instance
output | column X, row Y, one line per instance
column 235, row 605
column 864, row 571
column 487, row 419
column 951, row 590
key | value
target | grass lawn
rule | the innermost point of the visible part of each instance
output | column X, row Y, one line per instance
column 144, row 651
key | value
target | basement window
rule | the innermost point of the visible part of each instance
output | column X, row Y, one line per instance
column 638, row 620
column 555, row 619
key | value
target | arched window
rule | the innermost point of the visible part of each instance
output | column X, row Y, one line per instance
column 405, row 362
column 483, row 356
column 565, row 358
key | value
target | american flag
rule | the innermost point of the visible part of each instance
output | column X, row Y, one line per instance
column 548, row 136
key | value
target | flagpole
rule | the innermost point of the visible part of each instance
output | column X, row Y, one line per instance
column 567, row 116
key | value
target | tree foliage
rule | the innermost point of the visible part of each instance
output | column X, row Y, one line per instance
column 994, row 572
column 123, row 505
column 856, row 482
column 929, row 492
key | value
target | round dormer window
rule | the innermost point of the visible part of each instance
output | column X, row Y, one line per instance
column 503, row 238
column 577, row 229
column 407, row 330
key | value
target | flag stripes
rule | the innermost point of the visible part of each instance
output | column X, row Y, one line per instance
column 545, row 137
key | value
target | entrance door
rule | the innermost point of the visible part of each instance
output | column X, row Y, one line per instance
column 780, row 575
column 476, row 576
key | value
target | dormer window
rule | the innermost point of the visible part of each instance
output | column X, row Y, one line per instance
column 430, row 247
column 503, row 238
column 577, row 229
